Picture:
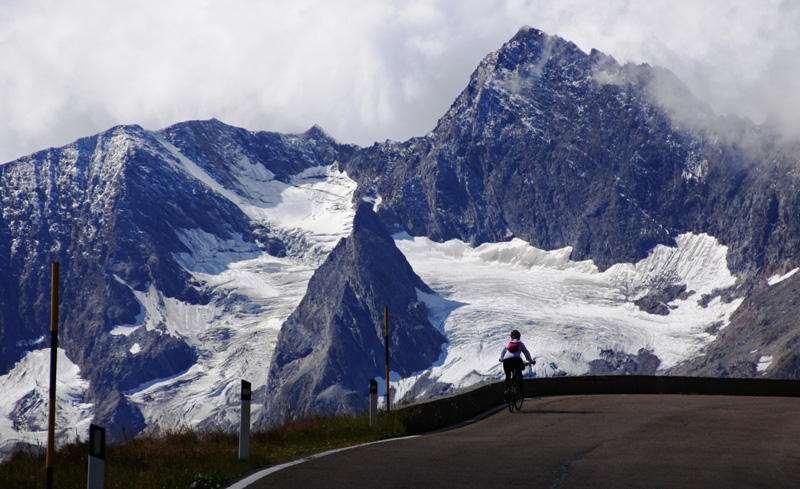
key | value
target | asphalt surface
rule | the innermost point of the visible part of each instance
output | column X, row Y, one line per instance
column 614, row 441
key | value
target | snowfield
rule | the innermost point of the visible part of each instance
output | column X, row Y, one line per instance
column 568, row 312
column 26, row 398
column 253, row 292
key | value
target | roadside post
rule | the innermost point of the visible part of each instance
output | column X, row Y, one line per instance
column 386, row 338
column 244, row 422
column 97, row 457
column 373, row 403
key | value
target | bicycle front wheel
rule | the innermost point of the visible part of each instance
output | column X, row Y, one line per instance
column 518, row 398
column 512, row 394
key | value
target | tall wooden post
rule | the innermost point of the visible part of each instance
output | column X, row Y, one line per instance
column 51, row 425
column 386, row 337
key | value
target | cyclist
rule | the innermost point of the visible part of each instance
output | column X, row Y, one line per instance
column 511, row 356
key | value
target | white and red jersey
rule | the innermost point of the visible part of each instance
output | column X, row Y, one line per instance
column 515, row 349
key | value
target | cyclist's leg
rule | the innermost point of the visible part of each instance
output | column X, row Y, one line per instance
column 507, row 369
column 518, row 366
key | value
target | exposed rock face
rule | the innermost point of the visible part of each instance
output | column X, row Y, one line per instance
column 333, row 344
column 656, row 302
column 618, row 363
column 534, row 129
column 762, row 339
column 563, row 148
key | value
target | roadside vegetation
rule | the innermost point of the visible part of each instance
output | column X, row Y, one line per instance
column 196, row 460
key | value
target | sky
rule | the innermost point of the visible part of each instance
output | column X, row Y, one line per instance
column 364, row 70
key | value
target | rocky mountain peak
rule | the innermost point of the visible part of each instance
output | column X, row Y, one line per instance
column 333, row 343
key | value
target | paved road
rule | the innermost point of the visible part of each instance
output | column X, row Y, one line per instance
column 616, row 441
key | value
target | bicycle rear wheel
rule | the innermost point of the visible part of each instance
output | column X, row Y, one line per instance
column 518, row 398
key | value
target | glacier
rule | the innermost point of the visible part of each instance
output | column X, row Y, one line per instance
column 567, row 311
column 252, row 293
column 25, row 402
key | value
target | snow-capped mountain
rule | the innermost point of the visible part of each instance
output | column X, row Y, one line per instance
column 172, row 268
column 599, row 208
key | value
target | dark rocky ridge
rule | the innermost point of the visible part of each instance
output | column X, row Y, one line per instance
column 657, row 302
column 333, row 343
column 765, row 325
column 619, row 363
column 563, row 148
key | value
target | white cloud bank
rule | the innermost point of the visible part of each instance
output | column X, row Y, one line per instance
column 365, row 70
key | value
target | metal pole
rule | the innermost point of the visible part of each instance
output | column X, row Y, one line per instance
column 244, row 421
column 373, row 403
column 97, row 457
column 51, row 425
column 386, row 337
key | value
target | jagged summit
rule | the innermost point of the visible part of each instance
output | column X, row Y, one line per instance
column 317, row 132
column 534, row 36
column 534, row 123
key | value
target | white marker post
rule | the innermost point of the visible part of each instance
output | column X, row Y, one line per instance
column 244, row 422
column 97, row 457
column 373, row 403
column 386, row 340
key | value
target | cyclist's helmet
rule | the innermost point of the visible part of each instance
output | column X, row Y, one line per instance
column 515, row 335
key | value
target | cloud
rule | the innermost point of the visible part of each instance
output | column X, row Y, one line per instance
column 365, row 70
column 740, row 57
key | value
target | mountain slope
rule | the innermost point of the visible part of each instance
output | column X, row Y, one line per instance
column 541, row 122
column 124, row 213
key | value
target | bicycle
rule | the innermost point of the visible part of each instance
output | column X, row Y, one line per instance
column 515, row 394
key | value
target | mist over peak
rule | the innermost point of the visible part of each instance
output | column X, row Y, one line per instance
column 380, row 70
